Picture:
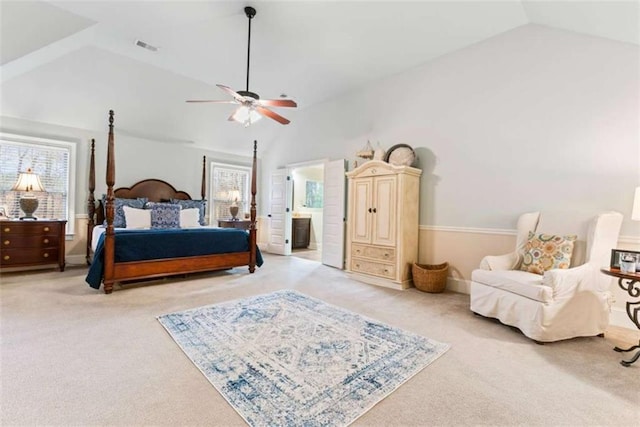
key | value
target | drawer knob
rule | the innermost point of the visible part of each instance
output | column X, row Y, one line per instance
column 46, row 255
column 7, row 257
column 386, row 255
column 46, row 229
column 7, row 229
column 46, row 240
column 357, row 251
column 357, row 265
column 6, row 242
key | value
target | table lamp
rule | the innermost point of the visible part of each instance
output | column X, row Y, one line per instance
column 28, row 182
column 233, row 209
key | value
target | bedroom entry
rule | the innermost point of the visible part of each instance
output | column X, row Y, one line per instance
column 307, row 211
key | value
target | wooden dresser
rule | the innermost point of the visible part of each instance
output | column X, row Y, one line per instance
column 32, row 243
column 382, row 228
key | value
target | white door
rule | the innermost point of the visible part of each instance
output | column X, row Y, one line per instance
column 280, row 214
column 333, row 214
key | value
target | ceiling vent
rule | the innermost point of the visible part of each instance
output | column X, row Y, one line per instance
column 146, row 46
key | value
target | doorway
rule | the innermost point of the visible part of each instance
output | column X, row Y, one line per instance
column 307, row 211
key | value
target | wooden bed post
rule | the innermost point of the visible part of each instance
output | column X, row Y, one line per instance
column 91, row 203
column 109, row 238
column 252, row 227
column 203, row 186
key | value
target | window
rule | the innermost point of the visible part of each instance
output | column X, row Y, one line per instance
column 52, row 160
column 227, row 182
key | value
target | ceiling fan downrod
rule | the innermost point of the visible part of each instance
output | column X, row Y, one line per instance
column 250, row 12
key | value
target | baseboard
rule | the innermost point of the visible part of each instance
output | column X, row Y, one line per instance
column 458, row 285
column 618, row 317
column 75, row 260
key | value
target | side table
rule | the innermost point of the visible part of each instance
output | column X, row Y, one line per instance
column 230, row 223
column 629, row 282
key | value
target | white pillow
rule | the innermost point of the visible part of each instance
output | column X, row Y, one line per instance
column 137, row 218
column 190, row 218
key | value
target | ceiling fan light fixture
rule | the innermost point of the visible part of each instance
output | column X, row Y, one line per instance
column 246, row 116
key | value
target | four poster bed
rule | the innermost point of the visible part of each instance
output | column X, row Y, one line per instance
column 122, row 254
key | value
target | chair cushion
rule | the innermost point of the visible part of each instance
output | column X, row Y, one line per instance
column 544, row 252
column 518, row 282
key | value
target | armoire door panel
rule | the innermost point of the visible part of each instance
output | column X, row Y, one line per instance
column 384, row 229
column 361, row 231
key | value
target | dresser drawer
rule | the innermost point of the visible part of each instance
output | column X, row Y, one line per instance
column 28, row 241
column 30, row 227
column 373, row 252
column 371, row 267
column 27, row 256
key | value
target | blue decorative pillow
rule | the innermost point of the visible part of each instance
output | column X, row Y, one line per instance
column 201, row 205
column 119, row 219
column 164, row 215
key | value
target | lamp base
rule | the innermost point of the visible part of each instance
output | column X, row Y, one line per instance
column 233, row 210
column 28, row 218
column 28, row 206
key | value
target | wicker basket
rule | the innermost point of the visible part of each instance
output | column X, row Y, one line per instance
column 430, row 278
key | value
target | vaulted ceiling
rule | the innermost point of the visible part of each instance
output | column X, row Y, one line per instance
column 68, row 62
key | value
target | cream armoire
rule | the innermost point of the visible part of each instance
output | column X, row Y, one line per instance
column 382, row 227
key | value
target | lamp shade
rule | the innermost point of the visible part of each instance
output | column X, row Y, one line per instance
column 28, row 181
column 246, row 116
column 635, row 212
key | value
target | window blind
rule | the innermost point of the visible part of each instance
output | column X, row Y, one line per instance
column 226, row 180
column 52, row 163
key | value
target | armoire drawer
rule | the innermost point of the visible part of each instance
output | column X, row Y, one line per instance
column 371, row 267
column 373, row 252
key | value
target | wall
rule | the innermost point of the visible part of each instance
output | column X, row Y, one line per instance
column 532, row 119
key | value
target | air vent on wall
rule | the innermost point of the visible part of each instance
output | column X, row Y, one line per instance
column 146, row 46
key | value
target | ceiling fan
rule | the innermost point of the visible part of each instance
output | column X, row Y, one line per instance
column 251, row 108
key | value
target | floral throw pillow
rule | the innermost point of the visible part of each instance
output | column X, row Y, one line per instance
column 544, row 252
column 164, row 215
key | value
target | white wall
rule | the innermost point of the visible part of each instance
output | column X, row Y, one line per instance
column 535, row 118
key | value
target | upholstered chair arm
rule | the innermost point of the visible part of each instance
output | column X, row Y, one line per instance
column 566, row 282
column 500, row 262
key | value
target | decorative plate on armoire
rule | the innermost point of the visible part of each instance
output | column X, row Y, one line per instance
column 400, row 155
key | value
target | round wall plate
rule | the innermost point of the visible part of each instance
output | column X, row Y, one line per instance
column 400, row 155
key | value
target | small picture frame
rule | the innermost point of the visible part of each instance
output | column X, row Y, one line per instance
column 3, row 212
column 615, row 257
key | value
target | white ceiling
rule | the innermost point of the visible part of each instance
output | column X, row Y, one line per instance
column 68, row 62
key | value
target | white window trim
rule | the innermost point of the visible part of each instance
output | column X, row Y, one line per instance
column 73, row 148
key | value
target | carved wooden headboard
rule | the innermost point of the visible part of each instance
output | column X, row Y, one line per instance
column 156, row 190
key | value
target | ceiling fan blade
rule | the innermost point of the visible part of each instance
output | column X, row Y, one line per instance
column 232, row 92
column 277, row 102
column 212, row 101
column 272, row 115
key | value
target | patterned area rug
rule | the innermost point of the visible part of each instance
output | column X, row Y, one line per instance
column 288, row 359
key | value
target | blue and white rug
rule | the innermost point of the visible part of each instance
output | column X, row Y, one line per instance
column 286, row 359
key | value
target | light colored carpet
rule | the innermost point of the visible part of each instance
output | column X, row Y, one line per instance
column 73, row 356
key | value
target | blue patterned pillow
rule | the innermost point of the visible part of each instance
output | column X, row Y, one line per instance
column 164, row 215
column 119, row 219
column 201, row 205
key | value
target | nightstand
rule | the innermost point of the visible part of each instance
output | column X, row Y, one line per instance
column 31, row 243
column 229, row 223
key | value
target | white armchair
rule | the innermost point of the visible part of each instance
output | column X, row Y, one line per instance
column 562, row 303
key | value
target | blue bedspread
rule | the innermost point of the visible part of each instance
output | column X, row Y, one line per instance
column 138, row 245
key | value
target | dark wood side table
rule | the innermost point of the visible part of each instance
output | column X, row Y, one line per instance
column 229, row 223
column 629, row 282
column 31, row 243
